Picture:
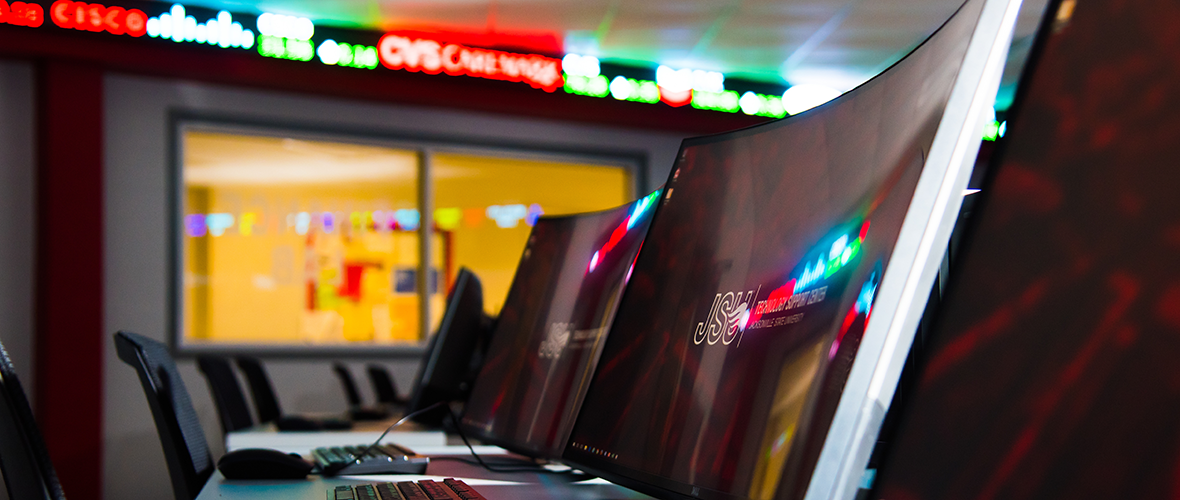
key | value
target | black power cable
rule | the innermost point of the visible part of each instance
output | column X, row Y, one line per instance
column 335, row 468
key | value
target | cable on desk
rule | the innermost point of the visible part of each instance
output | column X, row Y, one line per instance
column 536, row 468
column 334, row 469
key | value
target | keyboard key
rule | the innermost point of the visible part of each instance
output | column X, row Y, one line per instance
column 410, row 491
column 382, row 459
column 393, row 451
column 402, row 450
column 462, row 490
column 366, row 492
column 448, row 489
column 388, row 491
column 436, row 491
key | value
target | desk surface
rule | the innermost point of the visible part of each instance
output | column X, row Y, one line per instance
column 492, row 485
column 303, row 442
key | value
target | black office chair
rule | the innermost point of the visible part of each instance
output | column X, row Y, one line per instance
column 355, row 409
column 267, row 404
column 384, row 386
column 227, row 394
column 185, row 448
column 24, row 459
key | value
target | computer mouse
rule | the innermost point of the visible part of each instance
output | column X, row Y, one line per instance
column 262, row 463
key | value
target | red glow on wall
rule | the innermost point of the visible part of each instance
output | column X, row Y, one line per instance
column 675, row 98
column 432, row 57
column 94, row 17
column 21, row 14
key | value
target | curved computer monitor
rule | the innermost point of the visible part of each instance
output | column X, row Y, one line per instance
column 1050, row 371
column 772, row 305
column 446, row 370
column 552, row 327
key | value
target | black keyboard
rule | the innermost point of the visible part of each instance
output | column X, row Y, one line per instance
column 448, row 489
column 382, row 459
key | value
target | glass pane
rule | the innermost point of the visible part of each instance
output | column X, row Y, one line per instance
column 485, row 207
column 298, row 242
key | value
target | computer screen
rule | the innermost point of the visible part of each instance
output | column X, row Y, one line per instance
column 552, row 327
column 446, row 372
column 772, row 249
column 1051, row 368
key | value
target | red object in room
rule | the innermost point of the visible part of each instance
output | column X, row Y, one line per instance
column 353, row 273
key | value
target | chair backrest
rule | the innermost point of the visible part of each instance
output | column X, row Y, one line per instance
column 185, row 448
column 265, row 402
column 383, row 385
column 227, row 394
column 24, row 459
column 354, row 397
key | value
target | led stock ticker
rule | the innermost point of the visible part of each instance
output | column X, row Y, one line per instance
column 291, row 38
column 583, row 76
column 678, row 85
column 630, row 89
column 350, row 55
column 220, row 31
column 285, row 37
column 22, row 14
column 285, row 48
column 433, row 57
column 674, row 87
column 98, row 18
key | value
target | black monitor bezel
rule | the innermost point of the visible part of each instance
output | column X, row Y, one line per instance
column 644, row 482
column 508, row 444
column 444, row 337
column 659, row 486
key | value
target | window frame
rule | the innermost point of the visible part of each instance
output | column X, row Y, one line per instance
column 634, row 163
